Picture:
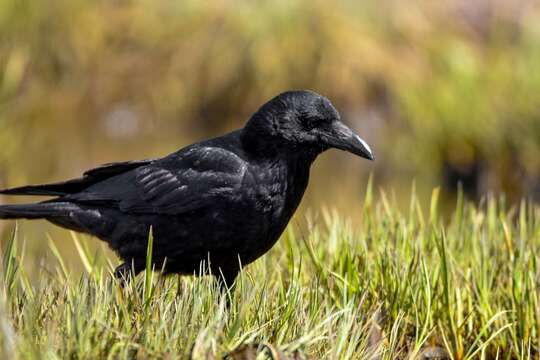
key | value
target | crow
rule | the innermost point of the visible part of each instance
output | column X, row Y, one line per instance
column 222, row 202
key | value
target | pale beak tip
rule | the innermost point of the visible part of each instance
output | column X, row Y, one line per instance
column 368, row 152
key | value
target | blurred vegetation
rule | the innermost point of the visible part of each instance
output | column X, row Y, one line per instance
column 446, row 91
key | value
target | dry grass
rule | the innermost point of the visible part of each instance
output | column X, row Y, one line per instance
column 396, row 286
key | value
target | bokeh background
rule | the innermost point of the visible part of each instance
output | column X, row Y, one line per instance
column 446, row 92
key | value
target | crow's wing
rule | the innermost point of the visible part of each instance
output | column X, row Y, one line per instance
column 192, row 179
column 73, row 186
column 115, row 168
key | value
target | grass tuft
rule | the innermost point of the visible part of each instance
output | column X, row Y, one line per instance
column 397, row 286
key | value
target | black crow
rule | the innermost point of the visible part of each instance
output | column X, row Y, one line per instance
column 224, row 201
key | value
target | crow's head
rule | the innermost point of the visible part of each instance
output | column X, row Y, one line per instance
column 302, row 121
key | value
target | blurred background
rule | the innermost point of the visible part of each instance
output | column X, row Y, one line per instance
column 446, row 92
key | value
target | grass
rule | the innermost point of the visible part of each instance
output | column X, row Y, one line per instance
column 395, row 286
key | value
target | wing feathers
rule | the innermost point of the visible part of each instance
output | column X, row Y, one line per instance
column 74, row 186
column 191, row 180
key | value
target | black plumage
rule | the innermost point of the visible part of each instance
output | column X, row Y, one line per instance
column 225, row 200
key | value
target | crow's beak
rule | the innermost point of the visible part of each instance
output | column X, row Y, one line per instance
column 343, row 138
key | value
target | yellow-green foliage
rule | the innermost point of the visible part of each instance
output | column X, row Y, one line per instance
column 432, row 84
column 395, row 286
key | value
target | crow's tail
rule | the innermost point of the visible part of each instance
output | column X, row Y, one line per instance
column 35, row 211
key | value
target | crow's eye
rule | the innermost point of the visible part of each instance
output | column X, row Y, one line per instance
column 311, row 122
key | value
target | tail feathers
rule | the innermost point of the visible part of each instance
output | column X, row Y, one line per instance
column 56, row 189
column 34, row 211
